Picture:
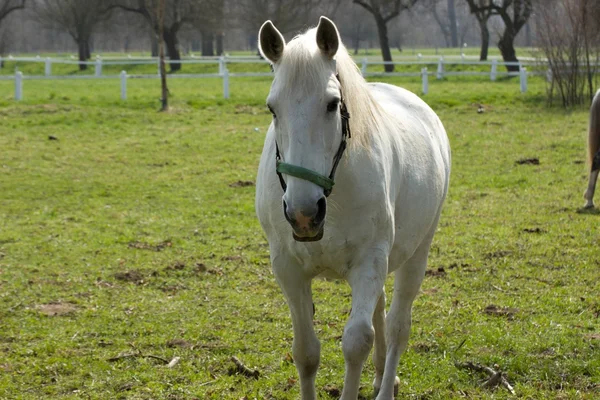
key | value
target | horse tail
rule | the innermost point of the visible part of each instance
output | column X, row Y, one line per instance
column 594, row 133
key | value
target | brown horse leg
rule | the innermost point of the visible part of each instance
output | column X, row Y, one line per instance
column 589, row 193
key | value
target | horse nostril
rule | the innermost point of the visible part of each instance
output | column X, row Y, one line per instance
column 321, row 210
column 288, row 218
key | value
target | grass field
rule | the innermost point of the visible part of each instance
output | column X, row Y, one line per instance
column 128, row 237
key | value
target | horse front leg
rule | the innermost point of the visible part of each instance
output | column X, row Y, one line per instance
column 367, row 281
column 306, row 349
column 589, row 193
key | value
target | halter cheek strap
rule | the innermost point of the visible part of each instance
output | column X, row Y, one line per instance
column 309, row 175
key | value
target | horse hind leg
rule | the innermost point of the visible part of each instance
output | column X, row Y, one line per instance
column 589, row 193
column 380, row 348
column 407, row 282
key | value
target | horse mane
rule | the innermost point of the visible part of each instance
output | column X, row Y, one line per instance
column 594, row 129
column 305, row 63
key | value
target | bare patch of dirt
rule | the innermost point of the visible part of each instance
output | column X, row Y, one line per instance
column 177, row 266
column 57, row 309
column 231, row 258
column 172, row 289
column 439, row 272
column 498, row 254
column 332, row 391
column 134, row 276
column 241, row 184
column 182, row 343
column 147, row 246
column 534, row 230
column 508, row 312
column 423, row 347
column 199, row 268
column 528, row 161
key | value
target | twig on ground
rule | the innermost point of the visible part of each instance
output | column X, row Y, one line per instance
column 240, row 368
column 137, row 354
column 495, row 377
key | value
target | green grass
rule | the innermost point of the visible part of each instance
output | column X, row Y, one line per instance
column 130, row 234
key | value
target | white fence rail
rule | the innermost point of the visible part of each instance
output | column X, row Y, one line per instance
column 440, row 65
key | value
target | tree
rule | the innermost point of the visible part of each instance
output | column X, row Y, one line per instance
column 446, row 22
column 8, row 6
column 176, row 14
column 513, row 22
column 452, row 20
column 384, row 11
column 482, row 12
column 569, row 37
column 77, row 17
column 161, row 51
column 514, row 14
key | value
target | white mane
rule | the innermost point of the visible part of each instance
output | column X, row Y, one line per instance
column 303, row 66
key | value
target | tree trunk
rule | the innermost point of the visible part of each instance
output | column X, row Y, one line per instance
column 453, row 27
column 528, row 39
column 170, row 37
column 207, row 44
column 164, row 101
column 153, row 44
column 220, row 43
column 384, row 43
column 507, row 49
column 83, row 51
column 485, row 39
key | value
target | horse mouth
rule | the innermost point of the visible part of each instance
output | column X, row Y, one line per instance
column 314, row 238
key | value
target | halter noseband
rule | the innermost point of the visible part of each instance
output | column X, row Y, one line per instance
column 309, row 175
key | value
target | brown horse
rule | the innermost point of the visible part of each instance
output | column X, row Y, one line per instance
column 593, row 150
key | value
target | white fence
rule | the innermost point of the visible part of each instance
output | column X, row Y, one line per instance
column 438, row 63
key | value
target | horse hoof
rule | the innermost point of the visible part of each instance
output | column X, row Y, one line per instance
column 396, row 385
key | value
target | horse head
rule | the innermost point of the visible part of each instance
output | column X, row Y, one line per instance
column 308, row 119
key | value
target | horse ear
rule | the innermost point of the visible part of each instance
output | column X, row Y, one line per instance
column 328, row 38
column 270, row 42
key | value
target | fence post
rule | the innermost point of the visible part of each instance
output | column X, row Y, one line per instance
column 419, row 56
column 363, row 70
column 425, row 78
column 440, row 68
column 98, row 66
column 225, row 83
column 18, row 86
column 222, row 65
column 523, row 76
column 123, row 85
column 48, row 67
column 494, row 71
column 549, row 76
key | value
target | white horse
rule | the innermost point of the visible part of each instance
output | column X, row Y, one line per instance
column 593, row 150
column 383, row 211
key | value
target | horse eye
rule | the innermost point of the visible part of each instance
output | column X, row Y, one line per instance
column 271, row 110
column 333, row 105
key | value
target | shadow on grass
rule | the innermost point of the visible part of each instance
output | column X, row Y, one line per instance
column 588, row 211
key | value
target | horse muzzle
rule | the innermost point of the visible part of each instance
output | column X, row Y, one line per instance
column 307, row 224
